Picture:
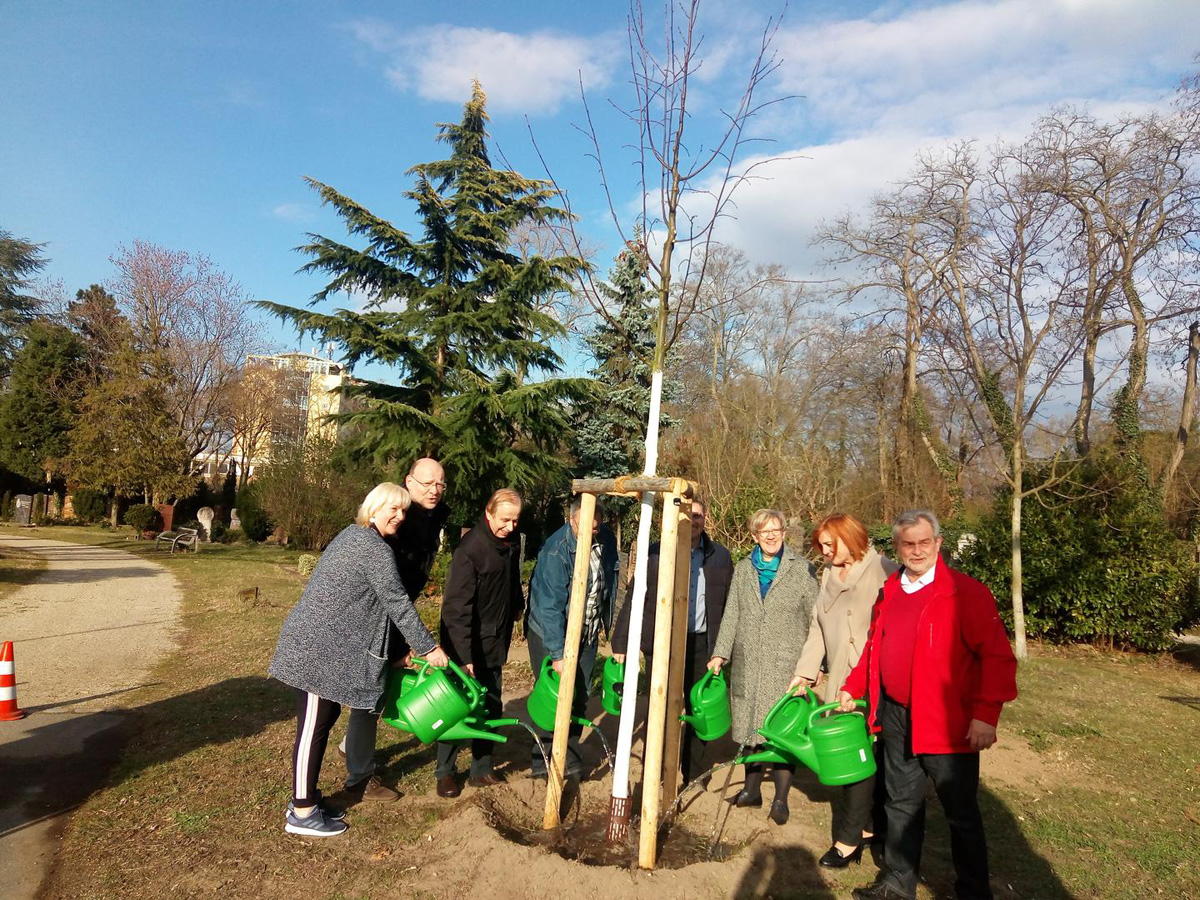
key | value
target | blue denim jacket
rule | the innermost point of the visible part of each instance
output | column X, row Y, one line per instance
column 550, row 589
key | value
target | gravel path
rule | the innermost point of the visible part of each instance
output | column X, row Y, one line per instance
column 84, row 634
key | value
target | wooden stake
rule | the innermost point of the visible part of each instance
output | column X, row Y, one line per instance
column 655, row 721
column 570, row 663
column 673, row 728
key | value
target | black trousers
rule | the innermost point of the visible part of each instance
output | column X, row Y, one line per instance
column 955, row 777
column 314, row 717
column 481, row 751
column 859, row 807
column 692, row 750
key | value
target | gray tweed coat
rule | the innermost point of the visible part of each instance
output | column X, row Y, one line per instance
column 334, row 643
column 762, row 637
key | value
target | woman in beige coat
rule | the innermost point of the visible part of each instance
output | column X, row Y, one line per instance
column 853, row 576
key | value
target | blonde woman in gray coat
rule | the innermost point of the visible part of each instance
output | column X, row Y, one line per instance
column 764, row 627
column 853, row 575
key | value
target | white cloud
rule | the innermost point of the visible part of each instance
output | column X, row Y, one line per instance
column 527, row 73
column 294, row 212
column 878, row 90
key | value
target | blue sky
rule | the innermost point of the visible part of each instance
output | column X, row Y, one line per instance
column 190, row 124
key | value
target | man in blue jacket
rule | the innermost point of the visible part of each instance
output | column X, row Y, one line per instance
column 546, row 622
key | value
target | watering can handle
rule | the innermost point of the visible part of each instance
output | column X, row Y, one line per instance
column 472, row 686
column 821, row 710
column 711, row 675
column 779, row 704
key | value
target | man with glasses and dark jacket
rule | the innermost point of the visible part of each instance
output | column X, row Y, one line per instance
column 415, row 545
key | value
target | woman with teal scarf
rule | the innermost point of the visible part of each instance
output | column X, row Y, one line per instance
column 763, row 630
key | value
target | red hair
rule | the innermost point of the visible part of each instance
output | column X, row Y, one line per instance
column 845, row 528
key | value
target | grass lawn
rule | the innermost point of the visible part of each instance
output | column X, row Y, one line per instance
column 1094, row 790
column 17, row 568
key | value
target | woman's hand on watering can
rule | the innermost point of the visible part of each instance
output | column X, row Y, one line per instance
column 846, row 702
column 799, row 682
column 556, row 665
column 715, row 664
column 437, row 658
column 619, row 657
column 981, row 735
column 469, row 668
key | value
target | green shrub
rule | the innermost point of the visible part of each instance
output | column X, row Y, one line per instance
column 6, row 505
column 142, row 517
column 217, row 531
column 255, row 523
column 1099, row 563
column 89, row 506
column 234, row 536
column 307, row 563
column 38, row 514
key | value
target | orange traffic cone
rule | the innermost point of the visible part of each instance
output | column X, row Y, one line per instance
column 9, row 711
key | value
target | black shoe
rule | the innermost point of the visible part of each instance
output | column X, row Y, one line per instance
column 745, row 798
column 779, row 813
column 880, row 890
column 487, row 780
column 833, row 858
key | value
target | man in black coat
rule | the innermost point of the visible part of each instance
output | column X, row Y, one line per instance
column 414, row 545
column 711, row 573
column 481, row 602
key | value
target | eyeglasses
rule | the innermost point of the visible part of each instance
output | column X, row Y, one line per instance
column 771, row 532
column 430, row 485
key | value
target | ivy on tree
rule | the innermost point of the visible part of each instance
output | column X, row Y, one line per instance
column 454, row 312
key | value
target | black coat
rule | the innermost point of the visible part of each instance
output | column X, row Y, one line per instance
column 414, row 545
column 718, row 571
column 482, row 599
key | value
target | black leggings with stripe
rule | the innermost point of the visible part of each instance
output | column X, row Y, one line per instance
column 314, row 717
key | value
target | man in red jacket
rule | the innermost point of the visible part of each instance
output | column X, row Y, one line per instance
column 937, row 669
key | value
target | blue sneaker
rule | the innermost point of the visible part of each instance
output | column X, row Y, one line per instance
column 336, row 815
column 316, row 824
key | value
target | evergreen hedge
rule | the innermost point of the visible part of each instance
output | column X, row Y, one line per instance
column 1099, row 563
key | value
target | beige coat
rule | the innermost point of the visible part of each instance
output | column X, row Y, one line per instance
column 761, row 637
column 841, row 619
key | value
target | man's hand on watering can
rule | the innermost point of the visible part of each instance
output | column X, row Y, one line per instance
column 846, row 702
column 981, row 735
column 619, row 657
column 556, row 665
column 715, row 664
column 799, row 682
column 469, row 668
column 437, row 658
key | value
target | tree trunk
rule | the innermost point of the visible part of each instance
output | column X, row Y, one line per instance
column 1018, row 599
column 1087, row 392
column 1187, row 410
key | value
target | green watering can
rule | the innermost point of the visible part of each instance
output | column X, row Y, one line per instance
column 711, row 716
column 612, row 684
column 543, row 700
column 471, row 728
column 791, row 713
column 430, row 702
column 837, row 749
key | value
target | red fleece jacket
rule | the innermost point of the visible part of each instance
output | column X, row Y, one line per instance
column 963, row 667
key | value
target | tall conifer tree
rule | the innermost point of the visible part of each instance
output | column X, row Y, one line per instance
column 467, row 336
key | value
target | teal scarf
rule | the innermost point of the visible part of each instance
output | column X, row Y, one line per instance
column 767, row 569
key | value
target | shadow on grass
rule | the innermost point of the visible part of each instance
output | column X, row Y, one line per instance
column 1017, row 869
column 60, row 761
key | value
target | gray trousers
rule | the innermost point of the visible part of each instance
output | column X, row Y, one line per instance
column 359, row 745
